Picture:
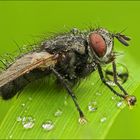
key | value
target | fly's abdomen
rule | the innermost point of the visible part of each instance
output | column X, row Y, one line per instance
column 24, row 70
column 10, row 89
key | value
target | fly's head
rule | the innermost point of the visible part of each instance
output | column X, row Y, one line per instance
column 101, row 44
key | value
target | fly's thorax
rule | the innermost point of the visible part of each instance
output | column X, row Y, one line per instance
column 101, row 45
column 66, row 42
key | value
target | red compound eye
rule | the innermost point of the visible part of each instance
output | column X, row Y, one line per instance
column 97, row 43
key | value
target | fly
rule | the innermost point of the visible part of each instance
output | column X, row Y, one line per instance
column 70, row 57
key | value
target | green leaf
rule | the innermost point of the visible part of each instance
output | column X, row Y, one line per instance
column 42, row 99
column 19, row 20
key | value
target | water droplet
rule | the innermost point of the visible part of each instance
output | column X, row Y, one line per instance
column 58, row 113
column 92, row 106
column 23, row 105
column 98, row 93
column 120, row 104
column 122, row 74
column 28, row 125
column 10, row 137
column 48, row 125
column 111, row 83
column 23, row 119
column 65, row 101
column 19, row 118
column 103, row 119
column 113, row 97
column 28, row 122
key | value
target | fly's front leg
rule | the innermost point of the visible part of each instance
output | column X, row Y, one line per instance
column 82, row 120
column 130, row 99
column 105, row 82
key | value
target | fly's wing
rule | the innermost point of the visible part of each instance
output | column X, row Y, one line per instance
column 25, row 64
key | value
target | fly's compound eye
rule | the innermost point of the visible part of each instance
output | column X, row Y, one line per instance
column 97, row 43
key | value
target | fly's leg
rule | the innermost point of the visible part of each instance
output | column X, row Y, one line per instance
column 130, row 99
column 105, row 82
column 115, row 78
column 82, row 119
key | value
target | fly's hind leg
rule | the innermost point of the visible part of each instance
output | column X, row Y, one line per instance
column 82, row 119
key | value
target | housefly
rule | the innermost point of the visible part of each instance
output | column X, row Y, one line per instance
column 70, row 57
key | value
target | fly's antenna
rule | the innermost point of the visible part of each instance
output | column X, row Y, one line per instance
column 123, row 30
column 121, row 37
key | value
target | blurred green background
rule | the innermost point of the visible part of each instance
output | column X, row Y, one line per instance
column 26, row 21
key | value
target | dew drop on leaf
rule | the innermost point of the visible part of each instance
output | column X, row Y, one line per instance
column 113, row 97
column 92, row 106
column 28, row 125
column 98, row 93
column 48, row 125
column 58, row 113
column 103, row 119
column 10, row 137
column 65, row 101
column 28, row 122
column 120, row 104
column 19, row 118
column 23, row 104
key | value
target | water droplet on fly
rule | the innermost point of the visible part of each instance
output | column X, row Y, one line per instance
column 58, row 113
column 92, row 106
column 28, row 122
column 122, row 74
column 48, row 125
column 103, row 119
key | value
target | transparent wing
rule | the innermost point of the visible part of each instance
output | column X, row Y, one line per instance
column 25, row 64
